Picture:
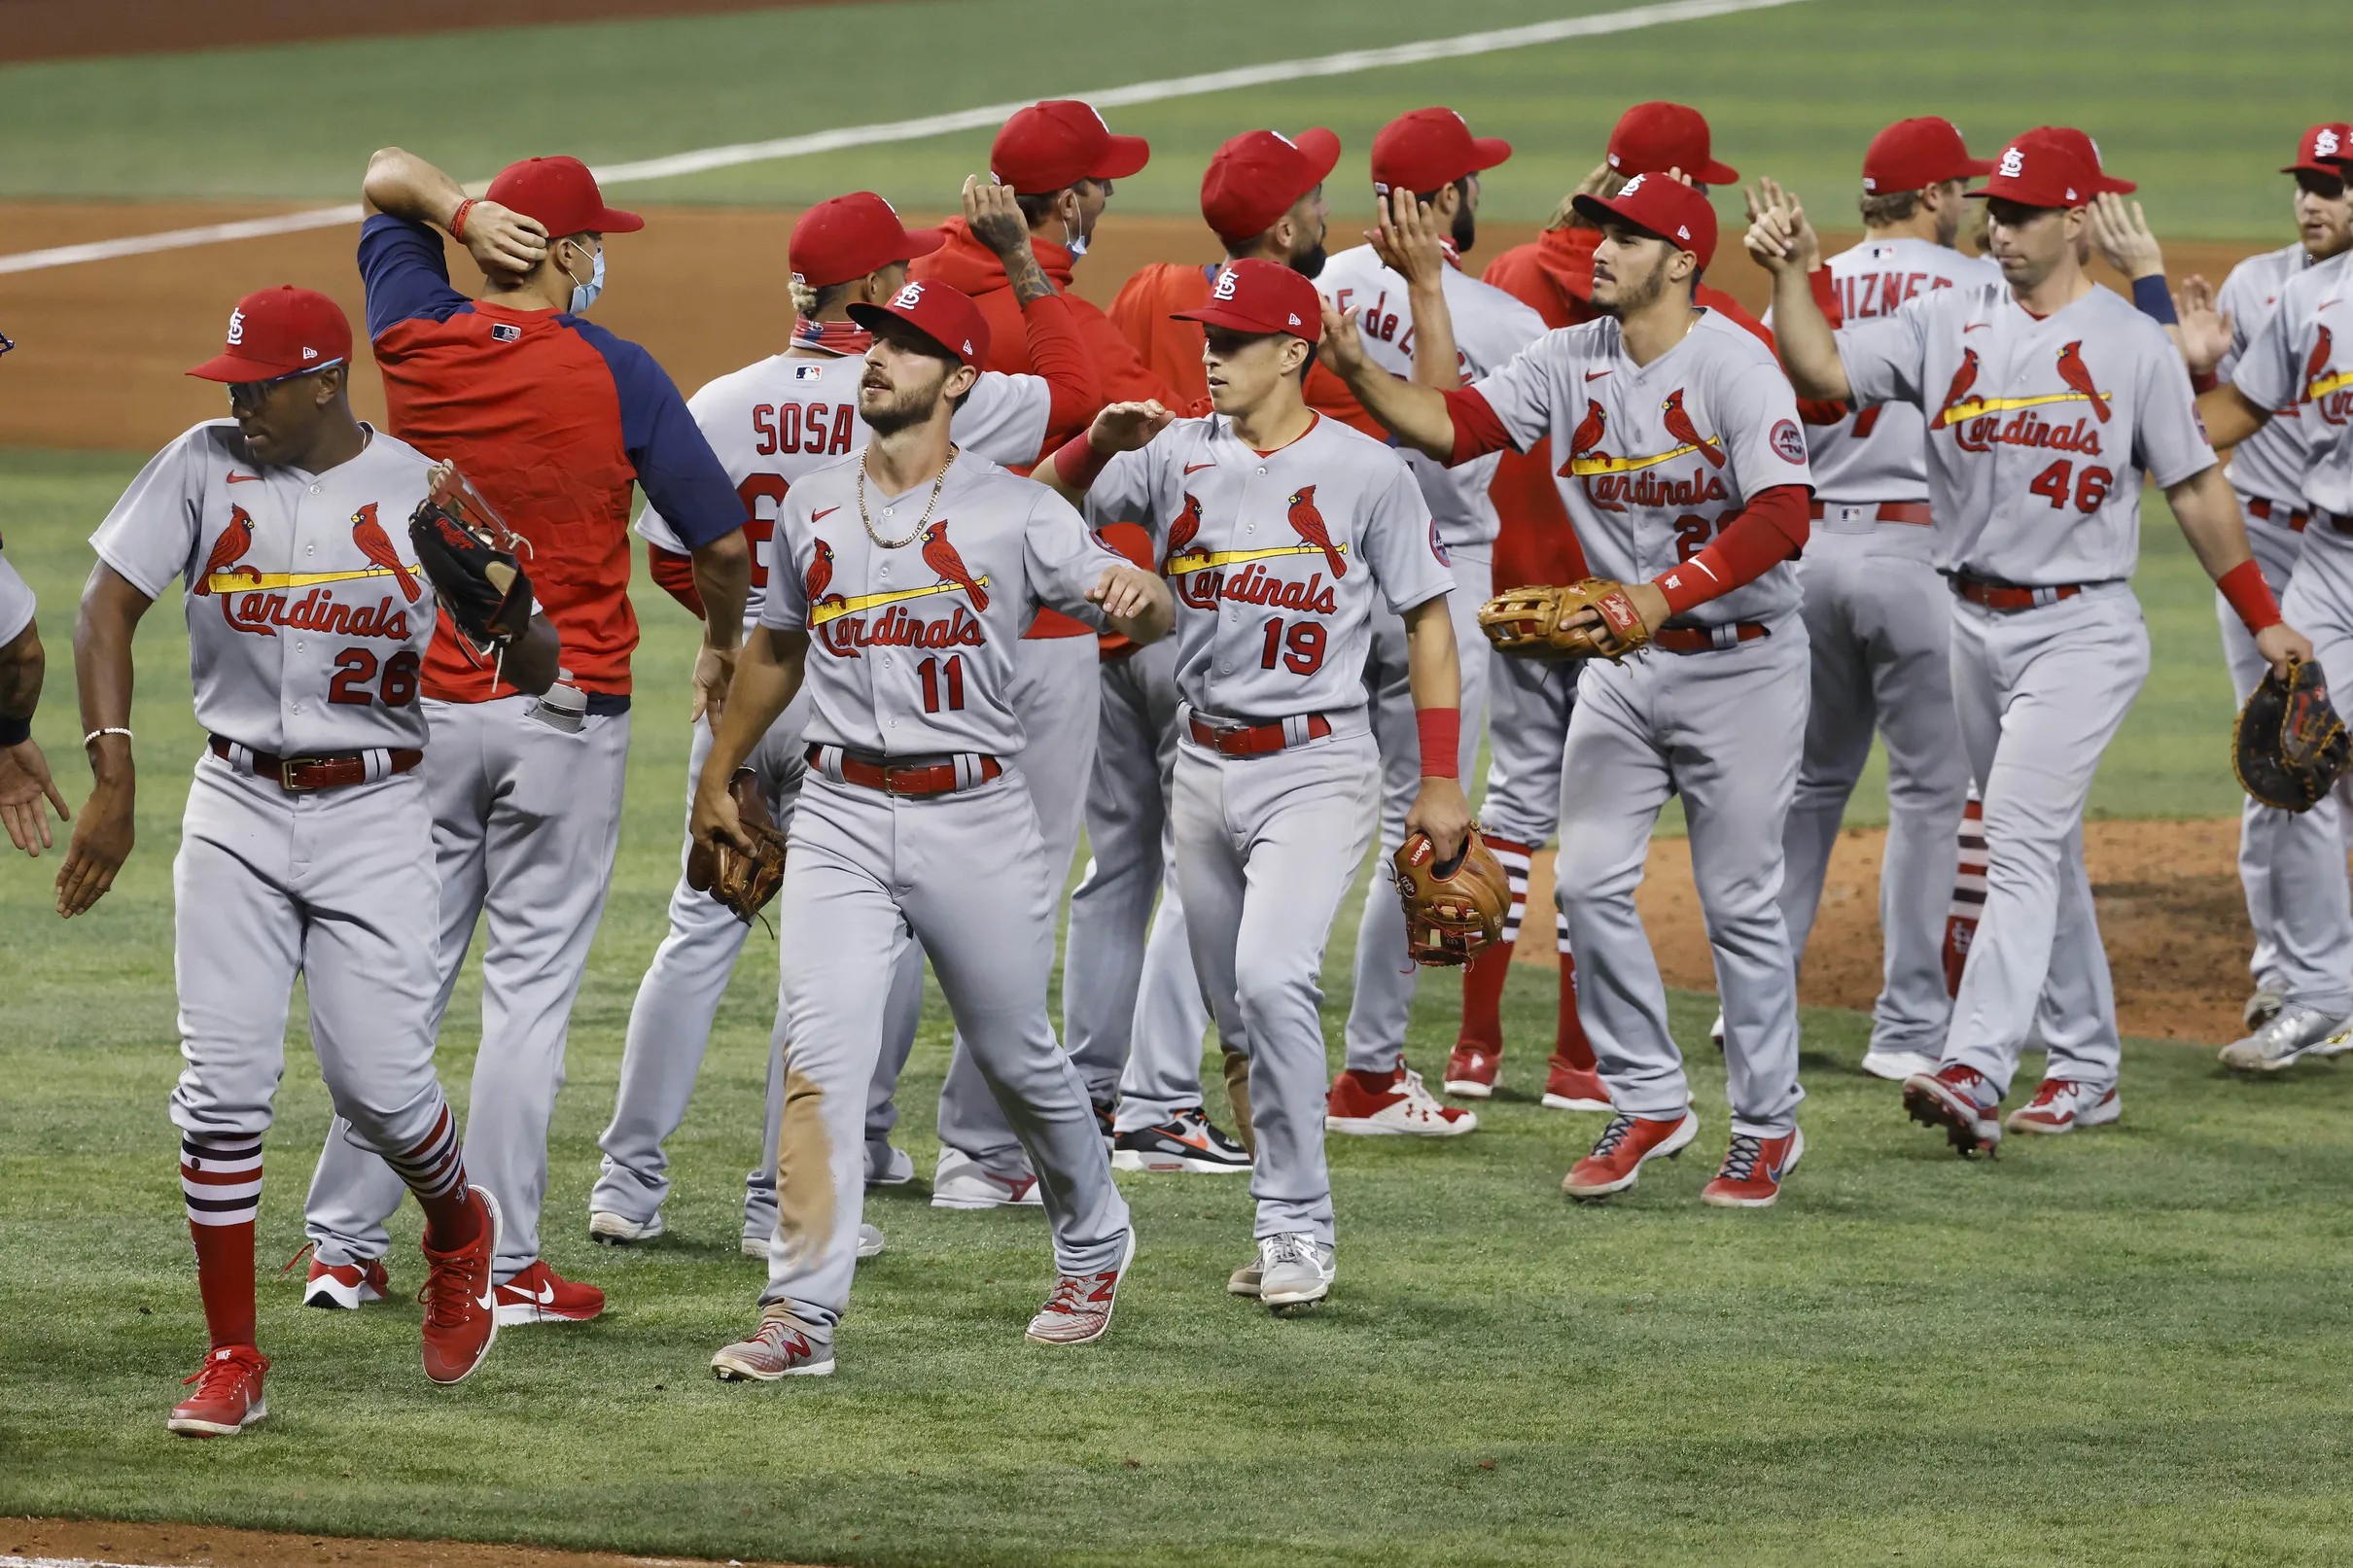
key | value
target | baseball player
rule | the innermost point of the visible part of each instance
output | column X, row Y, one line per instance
column 1683, row 461
column 1128, row 991
column 1062, row 161
column 2045, row 397
column 553, row 419
column 1425, row 178
column 772, row 423
column 24, row 781
column 2287, row 410
column 898, row 585
column 1879, row 617
column 1279, row 527
column 307, row 623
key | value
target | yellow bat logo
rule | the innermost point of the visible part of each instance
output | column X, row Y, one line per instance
column 1186, row 562
column 2321, row 386
column 247, row 582
column 1581, row 468
column 1972, row 408
column 832, row 610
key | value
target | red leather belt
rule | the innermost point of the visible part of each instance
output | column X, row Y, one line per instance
column 1706, row 639
column 1886, row 511
column 906, row 778
column 2009, row 597
column 2258, row 507
column 300, row 775
column 1252, row 739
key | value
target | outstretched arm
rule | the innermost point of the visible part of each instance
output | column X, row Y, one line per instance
column 1416, row 414
column 1784, row 243
column 103, row 628
column 1434, row 673
column 2208, row 513
column 2229, row 416
column 1123, row 427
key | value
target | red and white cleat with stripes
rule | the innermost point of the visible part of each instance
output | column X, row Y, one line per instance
column 229, row 1394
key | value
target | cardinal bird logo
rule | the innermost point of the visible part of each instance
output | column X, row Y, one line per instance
column 821, row 574
column 1187, row 526
column 2315, row 362
column 1586, row 440
column 368, row 535
column 942, row 557
column 2078, row 375
column 234, row 540
column 1308, row 523
column 1962, row 380
column 1680, row 427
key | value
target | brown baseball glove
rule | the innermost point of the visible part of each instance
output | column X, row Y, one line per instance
column 1532, row 622
column 472, row 556
column 1453, row 908
column 2289, row 746
column 743, row 881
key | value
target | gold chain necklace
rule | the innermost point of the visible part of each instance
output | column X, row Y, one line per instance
column 916, row 532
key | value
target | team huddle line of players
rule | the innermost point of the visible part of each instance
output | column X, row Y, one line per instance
column 977, row 563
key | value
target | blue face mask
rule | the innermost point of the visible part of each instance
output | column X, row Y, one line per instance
column 583, row 294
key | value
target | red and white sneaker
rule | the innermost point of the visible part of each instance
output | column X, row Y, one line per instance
column 346, row 1286
column 229, row 1394
column 2063, row 1104
column 1959, row 1100
column 1079, row 1310
column 461, row 1304
column 1373, row 1104
column 1470, row 1071
column 541, row 1295
column 1753, row 1170
column 783, row 1347
column 1616, row 1163
column 1575, row 1089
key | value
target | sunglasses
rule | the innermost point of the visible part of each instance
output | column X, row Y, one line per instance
column 252, row 394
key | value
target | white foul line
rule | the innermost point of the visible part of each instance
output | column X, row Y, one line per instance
column 1346, row 63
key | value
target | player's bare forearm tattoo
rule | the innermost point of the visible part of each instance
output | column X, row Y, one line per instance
column 1029, row 279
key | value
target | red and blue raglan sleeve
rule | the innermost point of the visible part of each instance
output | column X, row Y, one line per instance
column 405, row 275
column 681, row 476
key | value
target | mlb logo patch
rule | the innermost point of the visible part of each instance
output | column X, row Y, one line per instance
column 506, row 331
column 808, row 372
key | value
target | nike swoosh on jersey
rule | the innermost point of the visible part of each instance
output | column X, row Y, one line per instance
column 1196, row 467
column 1596, row 376
column 1186, row 562
column 244, row 479
column 822, row 513
column 1975, row 327
column 835, row 610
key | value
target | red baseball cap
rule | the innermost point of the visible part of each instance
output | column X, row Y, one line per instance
column 1432, row 148
column 1914, row 153
column 851, row 236
column 2086, row 152
column 278, row 332
column 1261, row 296
column 1652, row 138
column 1659, row 205
column 2325, row 149
column 2040, row 171
column 1059, row 143
column 1260, row 175
column 941, row 313
column 562, row 195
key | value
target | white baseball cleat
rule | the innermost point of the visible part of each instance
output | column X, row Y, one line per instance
column 2270, row 995
column 1715, row 1032
column 2063, row 1104
column 621, row 1230
column 1294, row 1270
column 959, row 1181
column 1372, row 1104
column 887, row 1166
column 783, row 1347
column 345, row 1286
column 1897, row 1066
column 2295, row 1033
column 870, row 1242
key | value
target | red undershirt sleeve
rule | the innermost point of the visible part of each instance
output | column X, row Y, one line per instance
column 1769, row 530
column 1058, row 353
column 1477, row 430
column 674, row 574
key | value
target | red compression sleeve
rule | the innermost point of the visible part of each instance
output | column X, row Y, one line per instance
column 1441, row 731
column 1079, row 464
column 1058, row 353
column 1826, row 296
column 1477, row 430
column 2243, row 585
column 1769, row 530
column 674, row 574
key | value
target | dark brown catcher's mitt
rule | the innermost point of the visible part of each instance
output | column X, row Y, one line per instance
column 743, row 883
column 2289, row 746
column 1453, row 908
column 471, row 555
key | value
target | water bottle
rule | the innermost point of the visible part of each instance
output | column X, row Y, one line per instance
column 562, row 706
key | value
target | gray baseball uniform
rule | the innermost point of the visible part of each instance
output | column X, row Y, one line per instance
column 2295, row 361
column 1276, row 559
column 308, row 619
column 2038, row 429
column 911, row 660
column 1654, row 459
column 1489, row 327
column 15, row 603
column 1879, row 624
column 772, row 424
column 2267, row 472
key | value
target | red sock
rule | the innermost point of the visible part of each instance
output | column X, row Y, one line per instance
column 1483, row 999
column 1570, row 1044
column 451, row 1220
column 436, row 1172
column 220, row 1183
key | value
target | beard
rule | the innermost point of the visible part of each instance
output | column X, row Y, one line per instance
column 1308, row 263
column 906, row 408
column 1465, row 232
column 1636, row 295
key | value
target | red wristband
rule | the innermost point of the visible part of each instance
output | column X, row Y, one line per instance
column 1079, row 464
column 2243, row 585
column 457, row 219
column 1441, row 730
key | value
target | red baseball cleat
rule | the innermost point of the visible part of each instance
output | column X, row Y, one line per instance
column 1616, row 1161
column 1575, row 1089
column 541, row 1295
column 1753, row 1169
column 783, row 1347
column 229, row 1394
column 1374, row 1103
column 461, row 1304
column 345, row 1285
column 1079, row 1310
column 1470, row 1072
column 1959, row 1100
column 2063, row 1104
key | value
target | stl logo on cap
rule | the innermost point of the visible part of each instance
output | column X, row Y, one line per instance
column 1224, row 289
column 1634, row 185
column 2014, row 163
column 236, row 327
column 909, row 296
column 2326, row 142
